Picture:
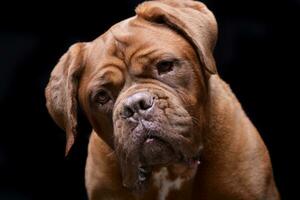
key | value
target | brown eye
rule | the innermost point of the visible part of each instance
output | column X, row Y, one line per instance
column 165, row 66
column 102, row 97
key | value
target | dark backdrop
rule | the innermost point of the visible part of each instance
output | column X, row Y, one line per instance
column 257, row 54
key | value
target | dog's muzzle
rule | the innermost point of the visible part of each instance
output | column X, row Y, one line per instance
column 139, row 108
column 151, row 129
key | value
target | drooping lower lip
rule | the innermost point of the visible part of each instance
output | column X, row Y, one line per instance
column 149, row 140
column 152, row 139
column 156, row 151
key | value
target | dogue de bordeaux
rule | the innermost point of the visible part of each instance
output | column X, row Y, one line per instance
column 164, row 124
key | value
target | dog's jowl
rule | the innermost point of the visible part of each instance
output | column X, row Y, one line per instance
column 165, row 125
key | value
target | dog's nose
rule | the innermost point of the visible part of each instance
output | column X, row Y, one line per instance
column 138, row 103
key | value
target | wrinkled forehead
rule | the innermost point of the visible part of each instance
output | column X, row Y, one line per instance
column 135, row 38
column 137, row 33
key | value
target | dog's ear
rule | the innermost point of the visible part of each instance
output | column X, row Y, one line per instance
column 191, row 19
column 61, row 91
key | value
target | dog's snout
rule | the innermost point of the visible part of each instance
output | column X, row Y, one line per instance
column 137, row 103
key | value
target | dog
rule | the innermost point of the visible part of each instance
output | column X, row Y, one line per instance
column 164, row 124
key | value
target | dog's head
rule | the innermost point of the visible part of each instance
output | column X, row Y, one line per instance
column 142, row 85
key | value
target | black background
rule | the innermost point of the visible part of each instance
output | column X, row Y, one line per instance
column 257, row 54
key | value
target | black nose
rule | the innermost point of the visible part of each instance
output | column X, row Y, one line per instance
column 138, row 103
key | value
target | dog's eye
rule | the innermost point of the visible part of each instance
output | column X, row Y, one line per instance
column 102, row 97
column 165, row 66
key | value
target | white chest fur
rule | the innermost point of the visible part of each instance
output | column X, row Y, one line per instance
column 164, row 184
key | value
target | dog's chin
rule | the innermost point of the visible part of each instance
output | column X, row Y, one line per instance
column 153, row 152
column 156, row 151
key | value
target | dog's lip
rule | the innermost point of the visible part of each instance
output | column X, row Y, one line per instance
column 156, row 150
column 152, row 138
column 158, row 138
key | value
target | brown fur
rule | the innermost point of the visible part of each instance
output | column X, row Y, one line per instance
column 194, row 111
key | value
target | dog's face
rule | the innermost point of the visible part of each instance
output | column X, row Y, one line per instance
column 142, row 86
column 143, row 93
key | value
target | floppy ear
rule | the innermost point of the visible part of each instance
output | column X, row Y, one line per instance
column 191, row 19
column 61, row 92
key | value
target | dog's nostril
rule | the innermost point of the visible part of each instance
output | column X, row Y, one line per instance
column 145, row 104
column 127, row 112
